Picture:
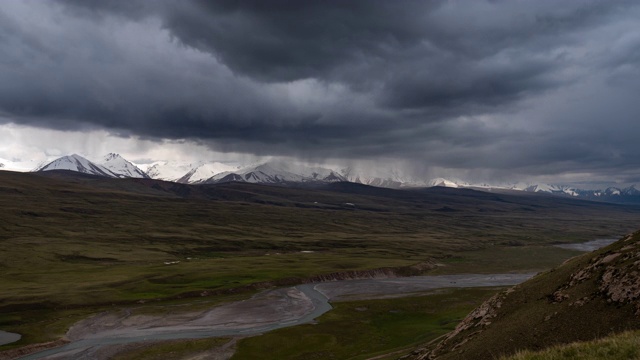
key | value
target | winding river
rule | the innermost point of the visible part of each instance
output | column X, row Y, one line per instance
column 266, row 311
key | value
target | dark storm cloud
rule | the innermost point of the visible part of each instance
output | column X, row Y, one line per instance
column 460, row 84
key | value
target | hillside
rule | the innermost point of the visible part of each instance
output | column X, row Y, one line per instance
column 586, row 298
column 623, row 346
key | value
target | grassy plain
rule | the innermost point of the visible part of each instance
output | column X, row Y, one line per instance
column 71, row 245
column 364, row 329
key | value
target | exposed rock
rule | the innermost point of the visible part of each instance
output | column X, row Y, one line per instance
column 558, row 296
column 478, row 318
column 580, row 302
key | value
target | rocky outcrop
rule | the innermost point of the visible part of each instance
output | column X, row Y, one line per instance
column 617, row 273
column 474, row 322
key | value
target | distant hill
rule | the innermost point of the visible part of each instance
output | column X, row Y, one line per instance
column 586, row 298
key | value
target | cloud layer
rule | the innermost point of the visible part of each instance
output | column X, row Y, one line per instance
column 485, row 88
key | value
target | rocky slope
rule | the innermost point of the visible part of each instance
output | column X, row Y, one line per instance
column 588, row 297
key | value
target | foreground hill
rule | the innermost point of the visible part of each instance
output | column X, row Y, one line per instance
column 586, row 298
column 623, row 346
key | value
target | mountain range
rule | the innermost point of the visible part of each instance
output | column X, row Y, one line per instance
column 280, row 172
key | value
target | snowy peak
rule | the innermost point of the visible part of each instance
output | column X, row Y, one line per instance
column 284, row 172
column 389, row 178
column 444, row 183
column 112, row 165
column 121, row 167
column 278, row 173
column 205, row 171
column 613, row 191
column 631, row 191
column 169, row 170
column 77, row 163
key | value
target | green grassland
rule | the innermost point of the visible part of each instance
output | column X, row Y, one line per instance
column 363, row 329
column 178, row 349
column 71, row 245
column 624, row 346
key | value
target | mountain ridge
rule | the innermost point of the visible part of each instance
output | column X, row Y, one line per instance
column 277, row 173
column 79, row 164
column 288, row 173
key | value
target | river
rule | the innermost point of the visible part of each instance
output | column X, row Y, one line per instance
column 266, row 311
column 589, row 245
column 8, row 338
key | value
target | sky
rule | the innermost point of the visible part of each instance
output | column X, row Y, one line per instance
column 480, row 90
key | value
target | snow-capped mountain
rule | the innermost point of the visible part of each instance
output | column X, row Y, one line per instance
column 584, row 193
column 553, row 189
column 277, row 173
column 203, row 172
column 77, row 163
column 122, row 167
column 169, row 170
column 374, row 176
column 281, row 172
column 447, row 183
column 612, row 192
column 631, row 191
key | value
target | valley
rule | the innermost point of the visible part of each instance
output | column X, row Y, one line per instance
column 262, row 313
column 75, row 245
